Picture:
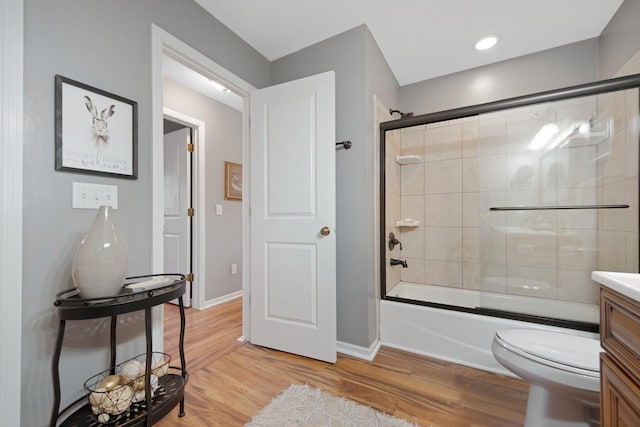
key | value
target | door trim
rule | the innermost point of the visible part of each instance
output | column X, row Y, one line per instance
column 164, row 43
column 198, row 182
column 11, row 203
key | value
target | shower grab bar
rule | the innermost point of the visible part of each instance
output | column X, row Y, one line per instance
column 548, row 208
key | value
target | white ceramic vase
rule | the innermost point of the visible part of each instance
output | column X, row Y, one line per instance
column 101, row 261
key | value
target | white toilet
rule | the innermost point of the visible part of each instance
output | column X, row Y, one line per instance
column 563, row 372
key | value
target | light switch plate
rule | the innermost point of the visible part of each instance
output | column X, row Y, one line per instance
column 218, row 209
column 92, row 196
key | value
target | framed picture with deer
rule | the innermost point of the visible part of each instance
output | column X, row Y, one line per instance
column 96, row 131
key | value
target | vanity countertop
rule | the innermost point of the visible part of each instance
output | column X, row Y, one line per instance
column 627, row 284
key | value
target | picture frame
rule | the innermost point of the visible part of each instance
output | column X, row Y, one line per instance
column 232, row 181
column 96, row 132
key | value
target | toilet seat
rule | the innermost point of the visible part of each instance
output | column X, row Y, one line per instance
column 575, row 354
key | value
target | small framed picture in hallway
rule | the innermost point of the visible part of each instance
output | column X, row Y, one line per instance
column 232, row 181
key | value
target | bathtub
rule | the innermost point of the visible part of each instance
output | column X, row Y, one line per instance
column 460, row 337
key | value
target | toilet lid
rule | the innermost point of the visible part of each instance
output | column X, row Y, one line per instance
column 561, row 348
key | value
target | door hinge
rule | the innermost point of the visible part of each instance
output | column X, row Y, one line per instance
column 190, row 277
column 191, row 212
column 190, row 148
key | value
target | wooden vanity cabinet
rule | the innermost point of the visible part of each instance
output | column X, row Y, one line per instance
column 620, row 363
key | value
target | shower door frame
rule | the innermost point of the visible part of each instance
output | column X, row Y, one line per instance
column 588, row 89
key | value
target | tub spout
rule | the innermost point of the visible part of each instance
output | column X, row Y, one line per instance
column 394, row 261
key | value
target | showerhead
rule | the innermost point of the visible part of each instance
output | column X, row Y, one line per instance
column 402, row 115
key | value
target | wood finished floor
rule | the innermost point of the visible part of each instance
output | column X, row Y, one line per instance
column 231, row 381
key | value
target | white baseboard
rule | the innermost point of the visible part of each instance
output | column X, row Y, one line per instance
column 358, row 351
column 225, row 298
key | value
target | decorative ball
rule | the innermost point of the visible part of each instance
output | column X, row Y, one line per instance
column 138, row 384
column 140, row 396
column 118, row 400
column 132, row 369
column 103, row 418
column 110, row 382
column 161, row 368
column 96, row 398
column 153, row 380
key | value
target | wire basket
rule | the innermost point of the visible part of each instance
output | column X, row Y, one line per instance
column 114, row 396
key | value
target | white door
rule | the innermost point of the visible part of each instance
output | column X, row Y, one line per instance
column 177, row 188
column 293, row 263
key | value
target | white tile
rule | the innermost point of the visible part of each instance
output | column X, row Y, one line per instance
column 532, row 220
column 484, row 277
column 414, row 272
column 412, row 143
column 471, row 209
column 578, row 250
column 443, row 243
column 470, row 175
column 392, row 209
column 392, row 142
column 612, row 165
column 492, row 245
column 614, row 219
column 443, row 273
column 571, row 219
column 577, row 286
column 392, row 175
column 632, row 201
column 632, row 105
column 443, row 210
column 412, row 240
column 444, row 143
column 522, row 128
column 413, row 207
column 535, row 248
column 577, row 167
column 470, row 139
column 492, row 173
column 613, row 248
column 444, row 176
column 632, row 252
column 489, row 218
column 631, row 146
column 527, row 170
column 412, row 179
column 529, row 281
column 491, row 136
column 471, row 244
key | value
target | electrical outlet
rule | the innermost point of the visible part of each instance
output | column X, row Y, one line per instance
column 92, row 196
column 234, row 268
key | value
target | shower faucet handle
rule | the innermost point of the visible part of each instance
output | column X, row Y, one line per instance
column 393, row 241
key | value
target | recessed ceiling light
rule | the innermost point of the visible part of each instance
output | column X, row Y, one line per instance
column 486, row 42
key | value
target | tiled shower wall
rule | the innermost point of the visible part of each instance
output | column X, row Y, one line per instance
column 470, row 164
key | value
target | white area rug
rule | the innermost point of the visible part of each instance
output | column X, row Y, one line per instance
column 301, row 405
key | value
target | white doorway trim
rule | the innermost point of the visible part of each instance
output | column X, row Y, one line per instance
column 11, row 148
column 163, row 43
column 198, row 203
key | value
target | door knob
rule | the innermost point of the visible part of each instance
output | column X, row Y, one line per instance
column 325, row 231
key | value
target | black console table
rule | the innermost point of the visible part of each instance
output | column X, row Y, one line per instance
column 134, row 296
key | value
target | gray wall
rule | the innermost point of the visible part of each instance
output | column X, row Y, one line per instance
column 107, row 45
column 223, row 133
column 550, row 69
column 620, row 39
column 350, row 55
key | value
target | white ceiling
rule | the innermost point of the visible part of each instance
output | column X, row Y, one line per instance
column 420, row 39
